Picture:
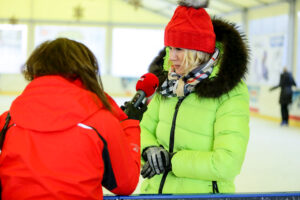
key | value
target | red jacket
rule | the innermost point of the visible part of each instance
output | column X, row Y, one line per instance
column 63, row 144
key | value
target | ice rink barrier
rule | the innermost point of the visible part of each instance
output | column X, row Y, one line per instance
column 240, row 196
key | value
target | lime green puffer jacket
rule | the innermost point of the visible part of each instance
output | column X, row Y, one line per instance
column 211, row 137
column 212, row 126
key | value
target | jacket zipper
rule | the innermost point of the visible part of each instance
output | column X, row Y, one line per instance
column 215, row 187
column 171, row 143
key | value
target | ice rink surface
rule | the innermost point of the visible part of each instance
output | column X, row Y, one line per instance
column 272, row 162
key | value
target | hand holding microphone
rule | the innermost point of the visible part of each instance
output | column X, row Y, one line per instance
column 145, row 87
column 134, row 112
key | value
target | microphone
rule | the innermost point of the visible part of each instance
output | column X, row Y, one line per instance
column 145, row 87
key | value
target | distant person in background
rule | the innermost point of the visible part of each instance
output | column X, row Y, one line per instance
column 195, row 132
column 286, row 93
column 66, row 137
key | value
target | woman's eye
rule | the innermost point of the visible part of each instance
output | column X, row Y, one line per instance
column 174, row 48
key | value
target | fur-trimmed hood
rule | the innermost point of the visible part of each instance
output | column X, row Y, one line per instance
column 232, row 65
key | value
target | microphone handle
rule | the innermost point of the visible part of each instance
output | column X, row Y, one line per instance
column 138, row 98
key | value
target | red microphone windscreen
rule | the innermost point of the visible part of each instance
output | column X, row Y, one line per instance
column 147, row 83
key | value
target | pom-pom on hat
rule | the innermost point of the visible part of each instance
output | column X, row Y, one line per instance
column 191, row 27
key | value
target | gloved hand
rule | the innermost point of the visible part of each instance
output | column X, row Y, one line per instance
column 147, row 171
column 123, row 106
column 158, row 158
column 133, row 112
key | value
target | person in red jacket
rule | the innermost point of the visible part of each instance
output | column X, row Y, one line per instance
column 67, row 138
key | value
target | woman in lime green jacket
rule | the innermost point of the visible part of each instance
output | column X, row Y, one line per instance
column 195, row 132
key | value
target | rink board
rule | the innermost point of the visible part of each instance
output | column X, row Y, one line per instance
column 253, row 196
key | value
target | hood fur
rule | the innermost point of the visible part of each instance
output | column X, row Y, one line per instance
column 233, row 62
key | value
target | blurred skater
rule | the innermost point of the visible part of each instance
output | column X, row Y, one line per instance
column 286, row 93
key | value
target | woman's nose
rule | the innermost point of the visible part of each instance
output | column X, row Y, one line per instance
column 172, row 55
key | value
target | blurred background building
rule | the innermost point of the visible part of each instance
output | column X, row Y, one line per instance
column 126, row 35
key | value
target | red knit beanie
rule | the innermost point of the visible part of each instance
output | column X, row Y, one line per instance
column 191, row 28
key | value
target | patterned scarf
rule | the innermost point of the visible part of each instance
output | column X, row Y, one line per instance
column 176, row 85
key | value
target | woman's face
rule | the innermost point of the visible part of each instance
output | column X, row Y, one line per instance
column 176, row 57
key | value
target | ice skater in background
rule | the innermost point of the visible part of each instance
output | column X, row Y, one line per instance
column 195, row 132
column 286, row 93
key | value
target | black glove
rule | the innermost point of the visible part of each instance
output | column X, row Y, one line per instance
column 123, row 106
column 133, row 112
column 147, row 171
column 158, row 158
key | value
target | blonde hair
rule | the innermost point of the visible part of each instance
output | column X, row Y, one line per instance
column 193, row 59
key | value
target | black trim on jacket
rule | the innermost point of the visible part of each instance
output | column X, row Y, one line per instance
column 4, row 130
column 109, row 180
column 171, row 143
column 2, row 138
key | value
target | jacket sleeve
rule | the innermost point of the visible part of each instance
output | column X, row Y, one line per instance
column 126, row 158
column 149, row 124
column 231, row 134
column 122, row 157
